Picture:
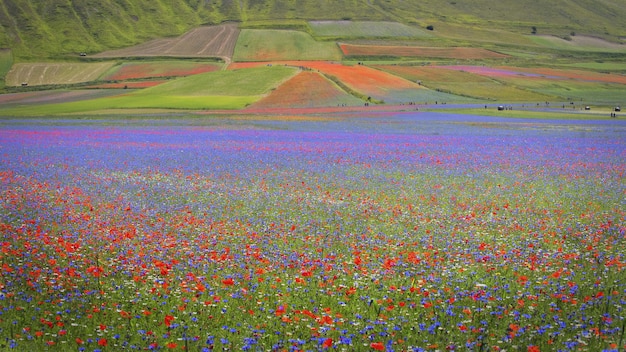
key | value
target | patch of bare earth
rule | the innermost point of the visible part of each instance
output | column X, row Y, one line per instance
column 591, row 42
column 208, row 41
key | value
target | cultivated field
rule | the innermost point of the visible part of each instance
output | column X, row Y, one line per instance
column 209, row 41
column 582, row 87
column 307, row 89
column 50, row 73
column 413, row 51
column 378, row 86
column 271, row 45
column 465, row 83
column 232, row 89
column 142, row 70
column 579, row 43
column 363, row 29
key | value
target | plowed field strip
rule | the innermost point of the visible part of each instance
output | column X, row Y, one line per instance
column 210, row 41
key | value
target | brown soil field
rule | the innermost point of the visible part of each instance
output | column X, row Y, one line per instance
column 306, row 89
column 415, row 51
column 208, row 41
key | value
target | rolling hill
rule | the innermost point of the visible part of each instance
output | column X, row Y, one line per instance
column 58, row 28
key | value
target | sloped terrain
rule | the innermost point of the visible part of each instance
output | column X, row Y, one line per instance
column 207, row 41
column 52, row 28
column 55, row 73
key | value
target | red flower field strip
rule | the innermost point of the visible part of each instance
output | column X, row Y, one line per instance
column 136, row 71
column 303, row 90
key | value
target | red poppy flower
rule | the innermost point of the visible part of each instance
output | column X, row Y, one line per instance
column 328, row 343
column 378, row 346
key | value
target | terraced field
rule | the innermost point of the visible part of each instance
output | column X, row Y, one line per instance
column 55, row 73
column 208, row 41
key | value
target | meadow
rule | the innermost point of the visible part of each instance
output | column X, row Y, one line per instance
column 366, row 29
column 397, row 232
column 273, row 44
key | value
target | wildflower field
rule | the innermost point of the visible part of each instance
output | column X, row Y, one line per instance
column 406, row 232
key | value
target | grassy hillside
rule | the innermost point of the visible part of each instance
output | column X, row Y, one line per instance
column 6, row 61
column 56, row 28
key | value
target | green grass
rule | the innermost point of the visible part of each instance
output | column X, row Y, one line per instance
column 54, row 29
column 574, row 45
column 466, row 84
column 532, row 114
column 590, row 92
column 268, row 45
column 6, row 61
column 132, row 101
column 214, row 90
column 243, row 82
column 363, row 29
column 599, row 66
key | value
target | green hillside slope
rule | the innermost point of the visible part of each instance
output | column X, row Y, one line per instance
column 58, row 28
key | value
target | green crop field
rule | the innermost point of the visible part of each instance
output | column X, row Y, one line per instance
column 268, row 45
column 363, row 29
column 466, row 84
column 243, row 82
column 596, row 92
column 234, row 89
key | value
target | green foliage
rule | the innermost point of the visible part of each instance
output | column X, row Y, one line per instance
column 58, row 28
column 6, row 61
column 579, row 91
column 362, row 29
column 132, row 101
column 266, row 45
column 243, row 82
